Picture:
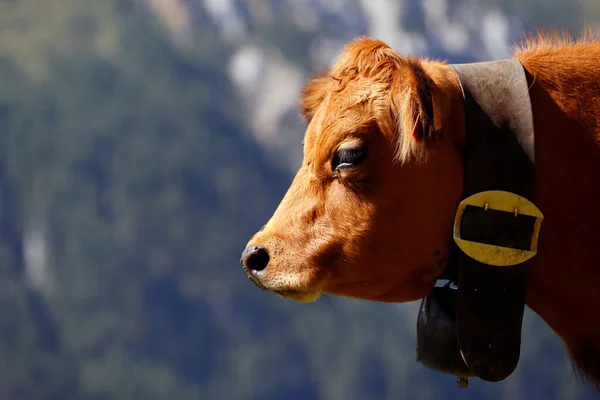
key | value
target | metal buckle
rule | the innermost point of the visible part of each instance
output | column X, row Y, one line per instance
column 502, row 201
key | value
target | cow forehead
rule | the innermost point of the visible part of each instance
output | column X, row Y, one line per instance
column 343, row 112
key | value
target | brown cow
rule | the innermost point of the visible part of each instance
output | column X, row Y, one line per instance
column 370, row 212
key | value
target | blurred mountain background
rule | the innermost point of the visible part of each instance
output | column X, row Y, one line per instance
column 142, row 142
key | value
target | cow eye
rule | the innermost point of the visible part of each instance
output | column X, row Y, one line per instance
column 349, row 157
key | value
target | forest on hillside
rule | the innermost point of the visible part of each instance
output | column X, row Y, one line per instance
column 130, row 181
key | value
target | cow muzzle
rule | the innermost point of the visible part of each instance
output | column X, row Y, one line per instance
column 255, row 260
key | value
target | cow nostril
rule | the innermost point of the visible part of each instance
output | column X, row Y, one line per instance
column 255, row 258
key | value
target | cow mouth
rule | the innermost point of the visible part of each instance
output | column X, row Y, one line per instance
column 253, row 279
column 298, row 295
column 288, row 293
column 301, row 296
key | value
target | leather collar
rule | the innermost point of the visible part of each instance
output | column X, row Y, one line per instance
column 475, row 330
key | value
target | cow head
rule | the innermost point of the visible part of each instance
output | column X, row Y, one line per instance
column 369, row 213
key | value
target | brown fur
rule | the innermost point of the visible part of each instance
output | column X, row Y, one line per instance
column 382, row 229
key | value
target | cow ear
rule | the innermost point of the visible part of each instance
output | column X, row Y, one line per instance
column 423, row 107
column 313, row 94
column 418, row 116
